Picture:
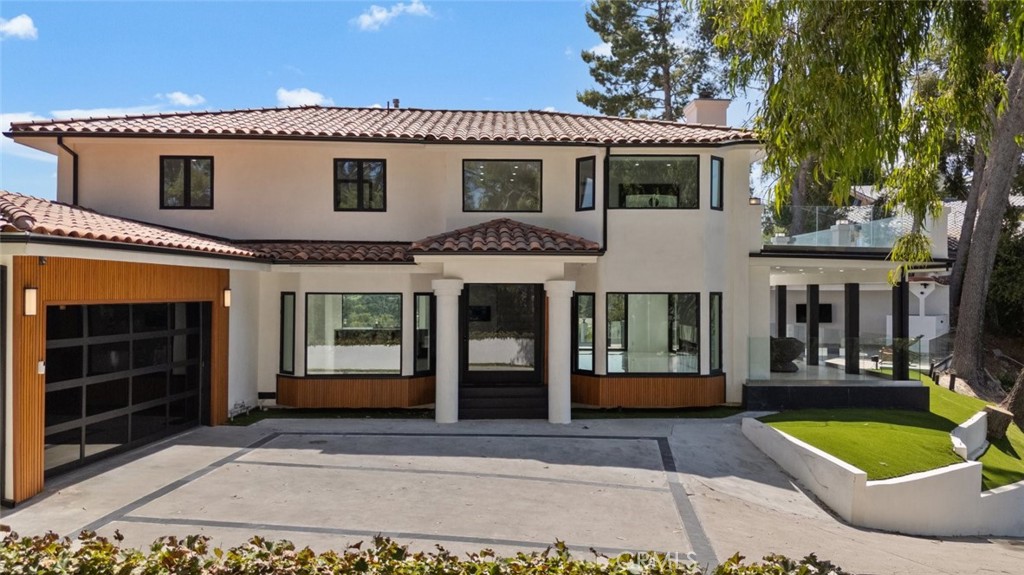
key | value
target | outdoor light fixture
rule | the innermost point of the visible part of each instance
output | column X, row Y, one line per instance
column 31, row 301
column 843, row 222
column 754, row 201
column 227, row 297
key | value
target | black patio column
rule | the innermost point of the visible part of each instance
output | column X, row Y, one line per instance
column 812, row 324
column 852, row 308
column 780, row 311
column 901, row 330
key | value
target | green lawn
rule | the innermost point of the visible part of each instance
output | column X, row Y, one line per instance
column 891, row 443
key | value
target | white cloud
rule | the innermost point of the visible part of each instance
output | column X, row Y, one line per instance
column 9, row 147
column 549, row 109
column 602, row 49
column 20, row 26
column 302, row 97
column 183, row 99
column 377, row 16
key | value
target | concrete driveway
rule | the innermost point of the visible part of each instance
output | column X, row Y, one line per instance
column 675, row 486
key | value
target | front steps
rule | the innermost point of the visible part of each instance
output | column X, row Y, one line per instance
column 503, row 401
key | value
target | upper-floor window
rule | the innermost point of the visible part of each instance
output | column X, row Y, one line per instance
column 359, row 185
column 585, row 170
column 186, row 182
column 717, row 187
column 501, row 185
column 653, row 182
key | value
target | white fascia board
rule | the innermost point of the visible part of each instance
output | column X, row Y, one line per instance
column 140, row 255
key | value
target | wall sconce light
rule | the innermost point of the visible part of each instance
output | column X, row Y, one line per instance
column 754, row 201
column 227, row 297
column 31, row 301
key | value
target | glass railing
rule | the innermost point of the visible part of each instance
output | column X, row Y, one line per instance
column 787, row 360
column 850, row 227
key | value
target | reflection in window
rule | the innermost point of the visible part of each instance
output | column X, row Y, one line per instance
column 186, row 182
column 501, row 185
column 359, row 185
column 584, row 332
column 353, row 333
column 585, row 183
column 653, row 182
column 716, row 331
column 287, row 359
column 653, row 333
column 716, row 183
column 423, row 318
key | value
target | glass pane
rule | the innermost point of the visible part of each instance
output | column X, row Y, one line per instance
column 106, row 435
column 716, row 182
column 184, row 412
column 106, row 396
column 149, row 387
column 173, row 184
column 585, row 332
column 63, row 322
column 685, row 315
column 149, row 317
column 108, row 319
column 61, row 448
column 373, row 180
column 346, row 170
column 288, row 333
column 501, row 186
column 108, row 358
column 616, row 320
column 63, row 406
column 421, row 335
column 653, row 182
column 716, row 332
column 150, row 421
column 346, row 196
column 653, row 333
column 585, row 184
column 353, row 333
column 501, row 326
column 63, row 363
column 202, row 183
column 150, row 352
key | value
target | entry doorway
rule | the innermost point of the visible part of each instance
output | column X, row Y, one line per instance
column 502, row 333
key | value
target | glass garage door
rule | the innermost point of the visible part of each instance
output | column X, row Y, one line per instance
column 121, row 375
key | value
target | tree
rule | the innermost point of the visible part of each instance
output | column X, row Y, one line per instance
column 659, row 55
column 839, row 83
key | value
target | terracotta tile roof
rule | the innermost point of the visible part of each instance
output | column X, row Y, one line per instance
column 504, row 236
column 331, row 252
column 406, row 124
column 27, row 214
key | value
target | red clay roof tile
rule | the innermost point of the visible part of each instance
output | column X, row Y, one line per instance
column 331, row 252
column 505, row 236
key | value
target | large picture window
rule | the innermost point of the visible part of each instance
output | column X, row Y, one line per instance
column 186, row 182
column 359, row 185
column 717, row 187
column 501, row 185
column 583, row 336
column 715, row 300
column 653, row 182
column 653, row 333
column 353, row 334
column 585, row 178
column 423, row 338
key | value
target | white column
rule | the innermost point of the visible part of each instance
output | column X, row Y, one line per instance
column 559, row 294
column 446, row 394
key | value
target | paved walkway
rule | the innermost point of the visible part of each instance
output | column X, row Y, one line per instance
column 676, row 486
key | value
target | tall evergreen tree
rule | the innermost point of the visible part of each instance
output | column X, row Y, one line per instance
column 659, row 54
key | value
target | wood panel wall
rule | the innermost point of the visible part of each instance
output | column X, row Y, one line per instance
column 624, row 391
column 327, row 392
column 76, row 281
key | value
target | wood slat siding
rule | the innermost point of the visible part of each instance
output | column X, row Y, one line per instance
column 604, row 391
column 75, row 281
column 327, row 392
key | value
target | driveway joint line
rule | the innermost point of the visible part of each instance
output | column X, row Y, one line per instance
column 691, row 521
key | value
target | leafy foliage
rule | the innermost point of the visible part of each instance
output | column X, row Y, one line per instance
column 1004, row 309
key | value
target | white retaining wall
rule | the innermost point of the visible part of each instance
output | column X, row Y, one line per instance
column 969, row 438
column 940, row 502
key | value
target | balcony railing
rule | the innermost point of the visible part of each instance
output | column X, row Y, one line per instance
column 850, row 227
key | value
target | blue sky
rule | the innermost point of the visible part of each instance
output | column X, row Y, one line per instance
column 84, row 59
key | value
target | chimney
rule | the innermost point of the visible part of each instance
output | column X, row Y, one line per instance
column 395, row 103
column 709, row 111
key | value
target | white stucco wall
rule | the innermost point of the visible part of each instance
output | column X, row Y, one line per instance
column 244, row 328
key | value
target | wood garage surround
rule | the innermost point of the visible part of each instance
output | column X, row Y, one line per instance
column 71, row 281
column 648, row 391
column 343, row 392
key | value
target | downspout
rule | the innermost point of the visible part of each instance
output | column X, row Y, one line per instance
column 74, row 170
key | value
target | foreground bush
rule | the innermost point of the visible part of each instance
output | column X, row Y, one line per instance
column 94, row 555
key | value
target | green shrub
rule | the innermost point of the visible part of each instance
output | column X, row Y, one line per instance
column 94, row 555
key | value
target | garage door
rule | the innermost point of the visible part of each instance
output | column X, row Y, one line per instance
column 121, row 375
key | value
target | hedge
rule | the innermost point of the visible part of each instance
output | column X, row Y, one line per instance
column 91, row 554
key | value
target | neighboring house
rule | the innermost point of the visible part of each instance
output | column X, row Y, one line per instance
column 494, row 264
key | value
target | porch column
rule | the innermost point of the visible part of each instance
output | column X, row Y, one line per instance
column 812, row 324
column 901, row 330
column 780, row 311
column 446, row 394
column 852, row 332
column 559, row 294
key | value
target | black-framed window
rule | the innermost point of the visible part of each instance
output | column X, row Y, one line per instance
column 586, row 170
column 717, row 183
column 653, row 182
column 353, row 333
column 583, row 333
column 186, row 182
column 715, row 335
column 653, row 332
column 360, row 185
column 287, row 362
column 501, row 186
column 424, row 333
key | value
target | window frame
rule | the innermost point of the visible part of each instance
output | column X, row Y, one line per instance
column 607, row 181
column 281, row 346
column 576, row 335
column 433, row 333
column 540, row 185
column 593, row 199
column 187, row 189
column 625, row 335
column 305, row 338
column 721, row 183
column 359, row 181
column 712, row 296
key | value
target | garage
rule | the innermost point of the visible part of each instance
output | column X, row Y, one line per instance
column 122, row 375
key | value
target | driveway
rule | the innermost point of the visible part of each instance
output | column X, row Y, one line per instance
column 674, row 486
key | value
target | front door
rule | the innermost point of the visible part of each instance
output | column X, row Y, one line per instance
column 502, row 330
